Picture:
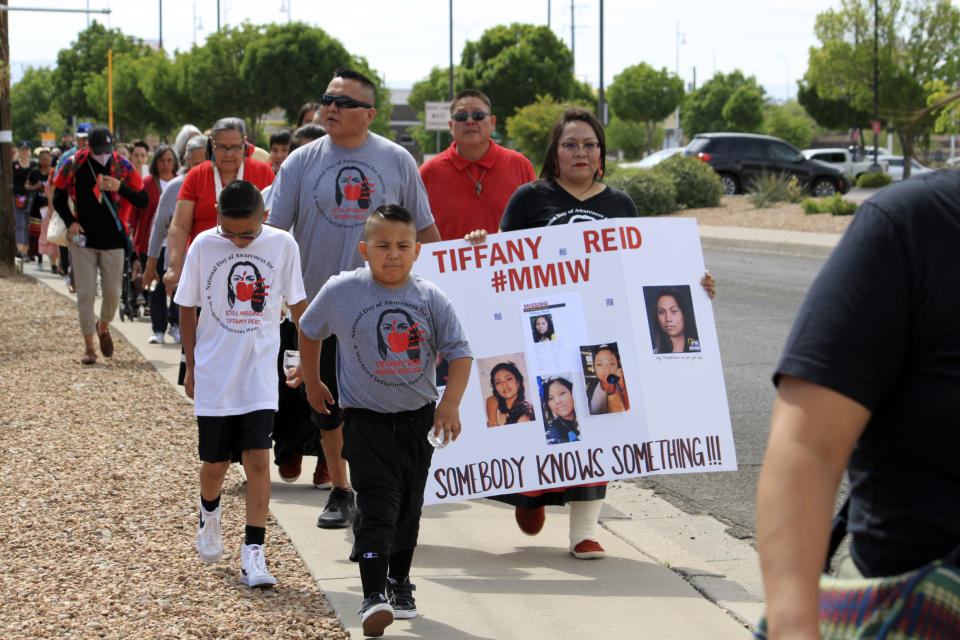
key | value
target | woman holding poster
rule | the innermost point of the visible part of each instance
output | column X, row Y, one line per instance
column 570, row 190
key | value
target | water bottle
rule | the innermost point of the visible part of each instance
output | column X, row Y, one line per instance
column 435, row 442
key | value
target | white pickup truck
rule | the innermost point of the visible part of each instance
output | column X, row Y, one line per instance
column 844, row 160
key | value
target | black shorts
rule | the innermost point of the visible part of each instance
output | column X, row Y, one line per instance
column 225, row 438
column 328, row 375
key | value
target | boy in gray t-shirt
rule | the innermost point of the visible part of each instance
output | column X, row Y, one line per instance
column 390, row 325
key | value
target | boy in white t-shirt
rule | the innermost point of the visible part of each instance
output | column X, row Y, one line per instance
column 239, row 272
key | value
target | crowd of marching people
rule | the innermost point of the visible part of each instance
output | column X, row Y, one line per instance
column 329, row 217
column 243, row 254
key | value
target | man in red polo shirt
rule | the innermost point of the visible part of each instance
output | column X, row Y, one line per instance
column 470, row 182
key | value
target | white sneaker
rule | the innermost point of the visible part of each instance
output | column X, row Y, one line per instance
column 156, row 338
column 174, row 333
column 210, row 535
column 253, row 567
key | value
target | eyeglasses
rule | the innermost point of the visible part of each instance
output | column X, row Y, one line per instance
column 461, row 116
column 343, row 102
column 228, row 148
column 238, row 236
column 573, row 147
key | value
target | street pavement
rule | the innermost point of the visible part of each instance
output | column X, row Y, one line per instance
column 667, row 574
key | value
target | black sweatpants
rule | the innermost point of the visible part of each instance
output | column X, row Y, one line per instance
column 389, row 459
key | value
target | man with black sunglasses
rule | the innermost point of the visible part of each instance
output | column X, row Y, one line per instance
column 323, row 194
column 470, row 182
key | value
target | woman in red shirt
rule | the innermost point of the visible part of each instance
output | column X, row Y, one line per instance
column 197, row 202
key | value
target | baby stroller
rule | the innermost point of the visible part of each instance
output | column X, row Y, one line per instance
column 132, row 301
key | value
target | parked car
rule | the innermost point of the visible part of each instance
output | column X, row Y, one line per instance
column 653, row 159
column 895, row 167
column 739, row 158
column 851, row 163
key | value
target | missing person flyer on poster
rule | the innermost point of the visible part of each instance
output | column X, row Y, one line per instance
column 596, row 358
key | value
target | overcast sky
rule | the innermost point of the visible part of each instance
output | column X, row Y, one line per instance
column 403, row 39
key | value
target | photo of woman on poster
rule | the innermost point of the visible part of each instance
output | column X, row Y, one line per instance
column 508, row 404
column 559, row 411
column 673, row 328
column 606, row 387
column 543, row 328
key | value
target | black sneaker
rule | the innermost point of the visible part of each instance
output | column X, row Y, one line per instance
column 339, row 510
column 400, row 595
column 376, row 615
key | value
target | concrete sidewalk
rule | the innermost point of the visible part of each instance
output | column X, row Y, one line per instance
column 667, row 574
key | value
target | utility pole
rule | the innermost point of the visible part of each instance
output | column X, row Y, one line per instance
column 876, row 84
column 7, row 240
column 450, row 87
column 160, row 22
column 604, row 118
column 573, row 51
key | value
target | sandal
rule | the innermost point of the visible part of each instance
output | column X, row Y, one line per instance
column 106, row 343
column 89, row 357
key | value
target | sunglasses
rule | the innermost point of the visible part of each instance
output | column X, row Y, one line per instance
column 461, row 116
column 343, row 102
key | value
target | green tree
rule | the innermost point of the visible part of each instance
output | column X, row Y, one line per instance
column 743, row 111
column 51, row 120
column 703, row 108
column 631, row 138
column 789, row 122
column 515, row 64
column 86, row 59
column 293, row 63
column 919, row 43
column 31, row 96
column 835, row 114
column 134, row 114
column 211, row 84
column 642, row 94
column 529, row 127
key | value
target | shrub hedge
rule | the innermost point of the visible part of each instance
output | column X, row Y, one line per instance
column 698, row 185
column 654, row 193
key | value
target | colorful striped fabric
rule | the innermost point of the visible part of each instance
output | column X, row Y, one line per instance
column 923, row 604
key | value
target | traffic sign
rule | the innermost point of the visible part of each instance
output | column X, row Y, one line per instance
column 437, row 116
column 876, row 126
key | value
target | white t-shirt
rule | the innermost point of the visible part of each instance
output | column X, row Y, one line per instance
column 240, row 292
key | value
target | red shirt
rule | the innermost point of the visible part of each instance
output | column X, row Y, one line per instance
column 141, row 220
column 199, row 188
column 451, row 181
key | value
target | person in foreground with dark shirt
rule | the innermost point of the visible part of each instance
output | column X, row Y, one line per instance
column 868, row 382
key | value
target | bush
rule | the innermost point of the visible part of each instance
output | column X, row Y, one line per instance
column 873, row 180
column 834, row 205
column 653, row 193
column 771, row 187
column 837, row 206
column 698, row 185
column 811, row 205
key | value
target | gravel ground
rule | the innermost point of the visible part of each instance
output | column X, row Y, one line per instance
column 738, row 211
column 99, row 492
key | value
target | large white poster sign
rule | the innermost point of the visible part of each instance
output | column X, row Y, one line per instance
column 596, row 358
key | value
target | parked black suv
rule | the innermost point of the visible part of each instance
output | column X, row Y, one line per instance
column 738, row 158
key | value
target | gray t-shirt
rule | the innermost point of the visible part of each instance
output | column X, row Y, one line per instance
column 387, row 339
column 323, row 194
column 164, row 216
